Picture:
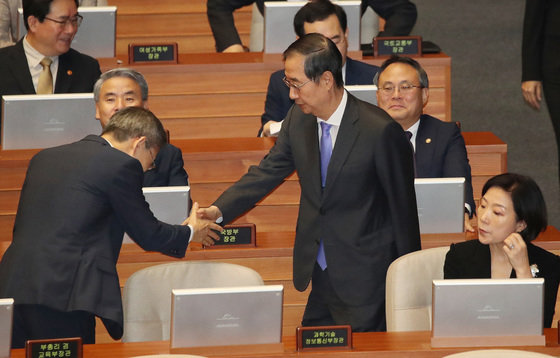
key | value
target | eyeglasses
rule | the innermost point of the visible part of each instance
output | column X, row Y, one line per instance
column 404, row 88
column 153, row 166
column 290, row 84
column 75, row 21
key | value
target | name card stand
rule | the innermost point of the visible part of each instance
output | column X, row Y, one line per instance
column 241, row 235
column 60, row 347
column 324, row 338
column 397, row 45
column 148, row 53
column 488, row 341
column 242, row 350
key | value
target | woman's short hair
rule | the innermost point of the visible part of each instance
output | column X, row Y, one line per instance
column 528, row 201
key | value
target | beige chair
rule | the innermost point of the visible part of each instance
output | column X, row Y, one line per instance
column 409, row 289
column 147, row 293
column 498, row 353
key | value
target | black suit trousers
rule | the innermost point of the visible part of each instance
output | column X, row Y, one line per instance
column 42, row 322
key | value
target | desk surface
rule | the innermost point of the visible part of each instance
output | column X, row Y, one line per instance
column 373, row 344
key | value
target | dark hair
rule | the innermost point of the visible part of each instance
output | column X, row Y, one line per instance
column 422, row 76
column 321, row 54
column 318, row 10
column 133, row 122
column 121, row 72
column 37, row 8
column 528, row 201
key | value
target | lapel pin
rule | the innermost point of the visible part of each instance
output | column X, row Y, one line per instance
column 69, row 72
column 428, row 140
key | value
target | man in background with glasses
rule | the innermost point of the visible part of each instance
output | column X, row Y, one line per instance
column 42, row 62
column 329, row 20
column 440, row 151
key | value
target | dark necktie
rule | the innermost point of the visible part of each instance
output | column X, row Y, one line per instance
column 326, row 151
column 409, row 136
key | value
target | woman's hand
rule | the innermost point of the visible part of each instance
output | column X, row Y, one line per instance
column 516, row 251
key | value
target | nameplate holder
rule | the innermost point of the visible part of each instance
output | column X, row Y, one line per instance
column 240, row 235
column 324, row 337
column 61, row 347
column 398, row 45
column 149, row 53
column 488, row 341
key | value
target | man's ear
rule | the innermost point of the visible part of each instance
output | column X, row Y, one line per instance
column 136, row 143
column 328, row 79
column 32, row 22
column 145, row 104
column 425, row 96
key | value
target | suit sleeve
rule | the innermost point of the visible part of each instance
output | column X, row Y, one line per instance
column 396, row 171
column 533, row 37
column 260, row 180
column 5, row 25
column 220, row 17
column 177, row 174
column 277, row 103
column 400, row 16
column 132, row 211
column 451, row 267
column 456, row 164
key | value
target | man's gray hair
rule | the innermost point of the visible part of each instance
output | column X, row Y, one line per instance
column 134, row 122
column 121, row 72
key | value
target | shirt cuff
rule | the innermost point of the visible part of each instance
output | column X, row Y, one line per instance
column 275, row 128
column 191, row 235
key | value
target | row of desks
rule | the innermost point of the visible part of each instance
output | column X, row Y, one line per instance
column 372, row 344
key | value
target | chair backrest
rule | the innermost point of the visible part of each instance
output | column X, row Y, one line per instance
column 408, row 304
column 498, row 353
column 147, row 293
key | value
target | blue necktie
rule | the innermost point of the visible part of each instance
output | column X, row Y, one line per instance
column 326, row 151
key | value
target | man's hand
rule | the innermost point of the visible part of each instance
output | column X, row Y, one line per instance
column 532, row 93
column 210, row 213
column 205, row 231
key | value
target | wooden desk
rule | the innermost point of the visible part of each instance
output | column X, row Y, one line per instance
column 210, row 95
column 373, row 344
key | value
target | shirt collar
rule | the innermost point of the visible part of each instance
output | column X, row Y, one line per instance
column 336, row 118
column 34, row 57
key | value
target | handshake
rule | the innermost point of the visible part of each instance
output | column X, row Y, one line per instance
column 203, row 223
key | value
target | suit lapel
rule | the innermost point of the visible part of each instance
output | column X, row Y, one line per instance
column 347, row 135
column 425, row 147
column 20, row 69
column 64, row 74
column 310, row 140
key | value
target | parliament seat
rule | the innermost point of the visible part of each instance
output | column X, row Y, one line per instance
column 147, row 293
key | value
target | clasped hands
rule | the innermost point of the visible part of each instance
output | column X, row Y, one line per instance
column 203, row 223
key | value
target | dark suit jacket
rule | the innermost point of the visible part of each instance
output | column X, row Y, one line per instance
column 471, row 259
column 366, row 214
column 541, row 33
column 278, row 100
column 76, row 203
column 441, row 153
column 76, row 72
column 169, row 170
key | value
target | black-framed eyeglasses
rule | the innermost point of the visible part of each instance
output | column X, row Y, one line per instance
column 404, row 88
column 74, row 21
column 290, row 84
